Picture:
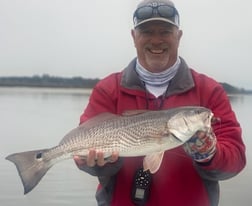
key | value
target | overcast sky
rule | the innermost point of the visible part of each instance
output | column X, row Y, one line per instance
column 92, row 38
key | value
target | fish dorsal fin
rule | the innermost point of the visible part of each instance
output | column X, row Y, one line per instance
column 152, row 162
column 134, row 112
column 102, row 117
column 106, row 116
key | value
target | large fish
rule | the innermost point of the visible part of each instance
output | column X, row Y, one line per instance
column 136, row 133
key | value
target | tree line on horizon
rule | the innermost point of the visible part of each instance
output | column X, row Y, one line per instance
column 48, row 81
column 77, row 82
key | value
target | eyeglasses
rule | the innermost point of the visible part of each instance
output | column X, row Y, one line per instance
column 147, row 12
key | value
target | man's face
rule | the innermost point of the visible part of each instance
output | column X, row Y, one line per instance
column 157, row 44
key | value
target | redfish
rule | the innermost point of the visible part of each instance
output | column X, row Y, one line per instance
column 135, row 133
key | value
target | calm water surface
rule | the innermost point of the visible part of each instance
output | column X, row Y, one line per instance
column 39, row 118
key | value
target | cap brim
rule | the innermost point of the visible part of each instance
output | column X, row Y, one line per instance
column 155, row 19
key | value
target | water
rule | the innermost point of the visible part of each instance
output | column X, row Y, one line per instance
column 39, row 118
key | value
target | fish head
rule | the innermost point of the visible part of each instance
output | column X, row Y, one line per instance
column 187, row 121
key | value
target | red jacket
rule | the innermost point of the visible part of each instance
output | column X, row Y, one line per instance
column 180, row 181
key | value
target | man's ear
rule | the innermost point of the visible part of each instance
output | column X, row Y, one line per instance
column 133, row 34
column 180, row 34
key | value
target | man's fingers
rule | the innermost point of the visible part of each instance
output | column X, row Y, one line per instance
column 79, row 161
column 91, row 158
column 100, row 159
column 114, row 157
column 95, row 158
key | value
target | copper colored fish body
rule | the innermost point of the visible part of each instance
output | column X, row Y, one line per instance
column 136, row 133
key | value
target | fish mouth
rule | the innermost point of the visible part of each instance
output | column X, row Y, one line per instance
column 215, row 120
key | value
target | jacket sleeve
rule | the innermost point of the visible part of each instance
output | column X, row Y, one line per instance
column 230, row 158
column 102, row 100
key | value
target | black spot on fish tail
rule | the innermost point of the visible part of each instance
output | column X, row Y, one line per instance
column 31, row 167
column 39, row 155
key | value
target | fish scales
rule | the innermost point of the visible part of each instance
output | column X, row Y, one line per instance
column 129, row 135
column 126, row 138
column 107, row 138
column 134, row 134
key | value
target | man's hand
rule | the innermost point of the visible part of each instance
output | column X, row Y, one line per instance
column 202, row 146
column 95, row 158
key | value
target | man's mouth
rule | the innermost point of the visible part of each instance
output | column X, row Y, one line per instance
column 156, row 51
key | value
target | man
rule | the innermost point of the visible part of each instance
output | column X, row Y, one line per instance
column 159, row 79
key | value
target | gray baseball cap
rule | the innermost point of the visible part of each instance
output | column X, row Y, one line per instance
column 156, row 10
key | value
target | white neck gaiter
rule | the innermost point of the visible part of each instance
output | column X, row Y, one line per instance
column 157, row 83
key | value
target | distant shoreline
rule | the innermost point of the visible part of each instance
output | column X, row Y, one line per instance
column 46, row 81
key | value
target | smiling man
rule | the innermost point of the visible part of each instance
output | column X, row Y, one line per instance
column 157, row 44
column 158, row 78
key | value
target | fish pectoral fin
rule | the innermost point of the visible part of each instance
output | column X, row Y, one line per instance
column 152, row 162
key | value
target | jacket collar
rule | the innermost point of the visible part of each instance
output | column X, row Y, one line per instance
column 183, row 80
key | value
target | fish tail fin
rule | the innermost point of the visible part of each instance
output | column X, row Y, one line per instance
column 31, row 167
